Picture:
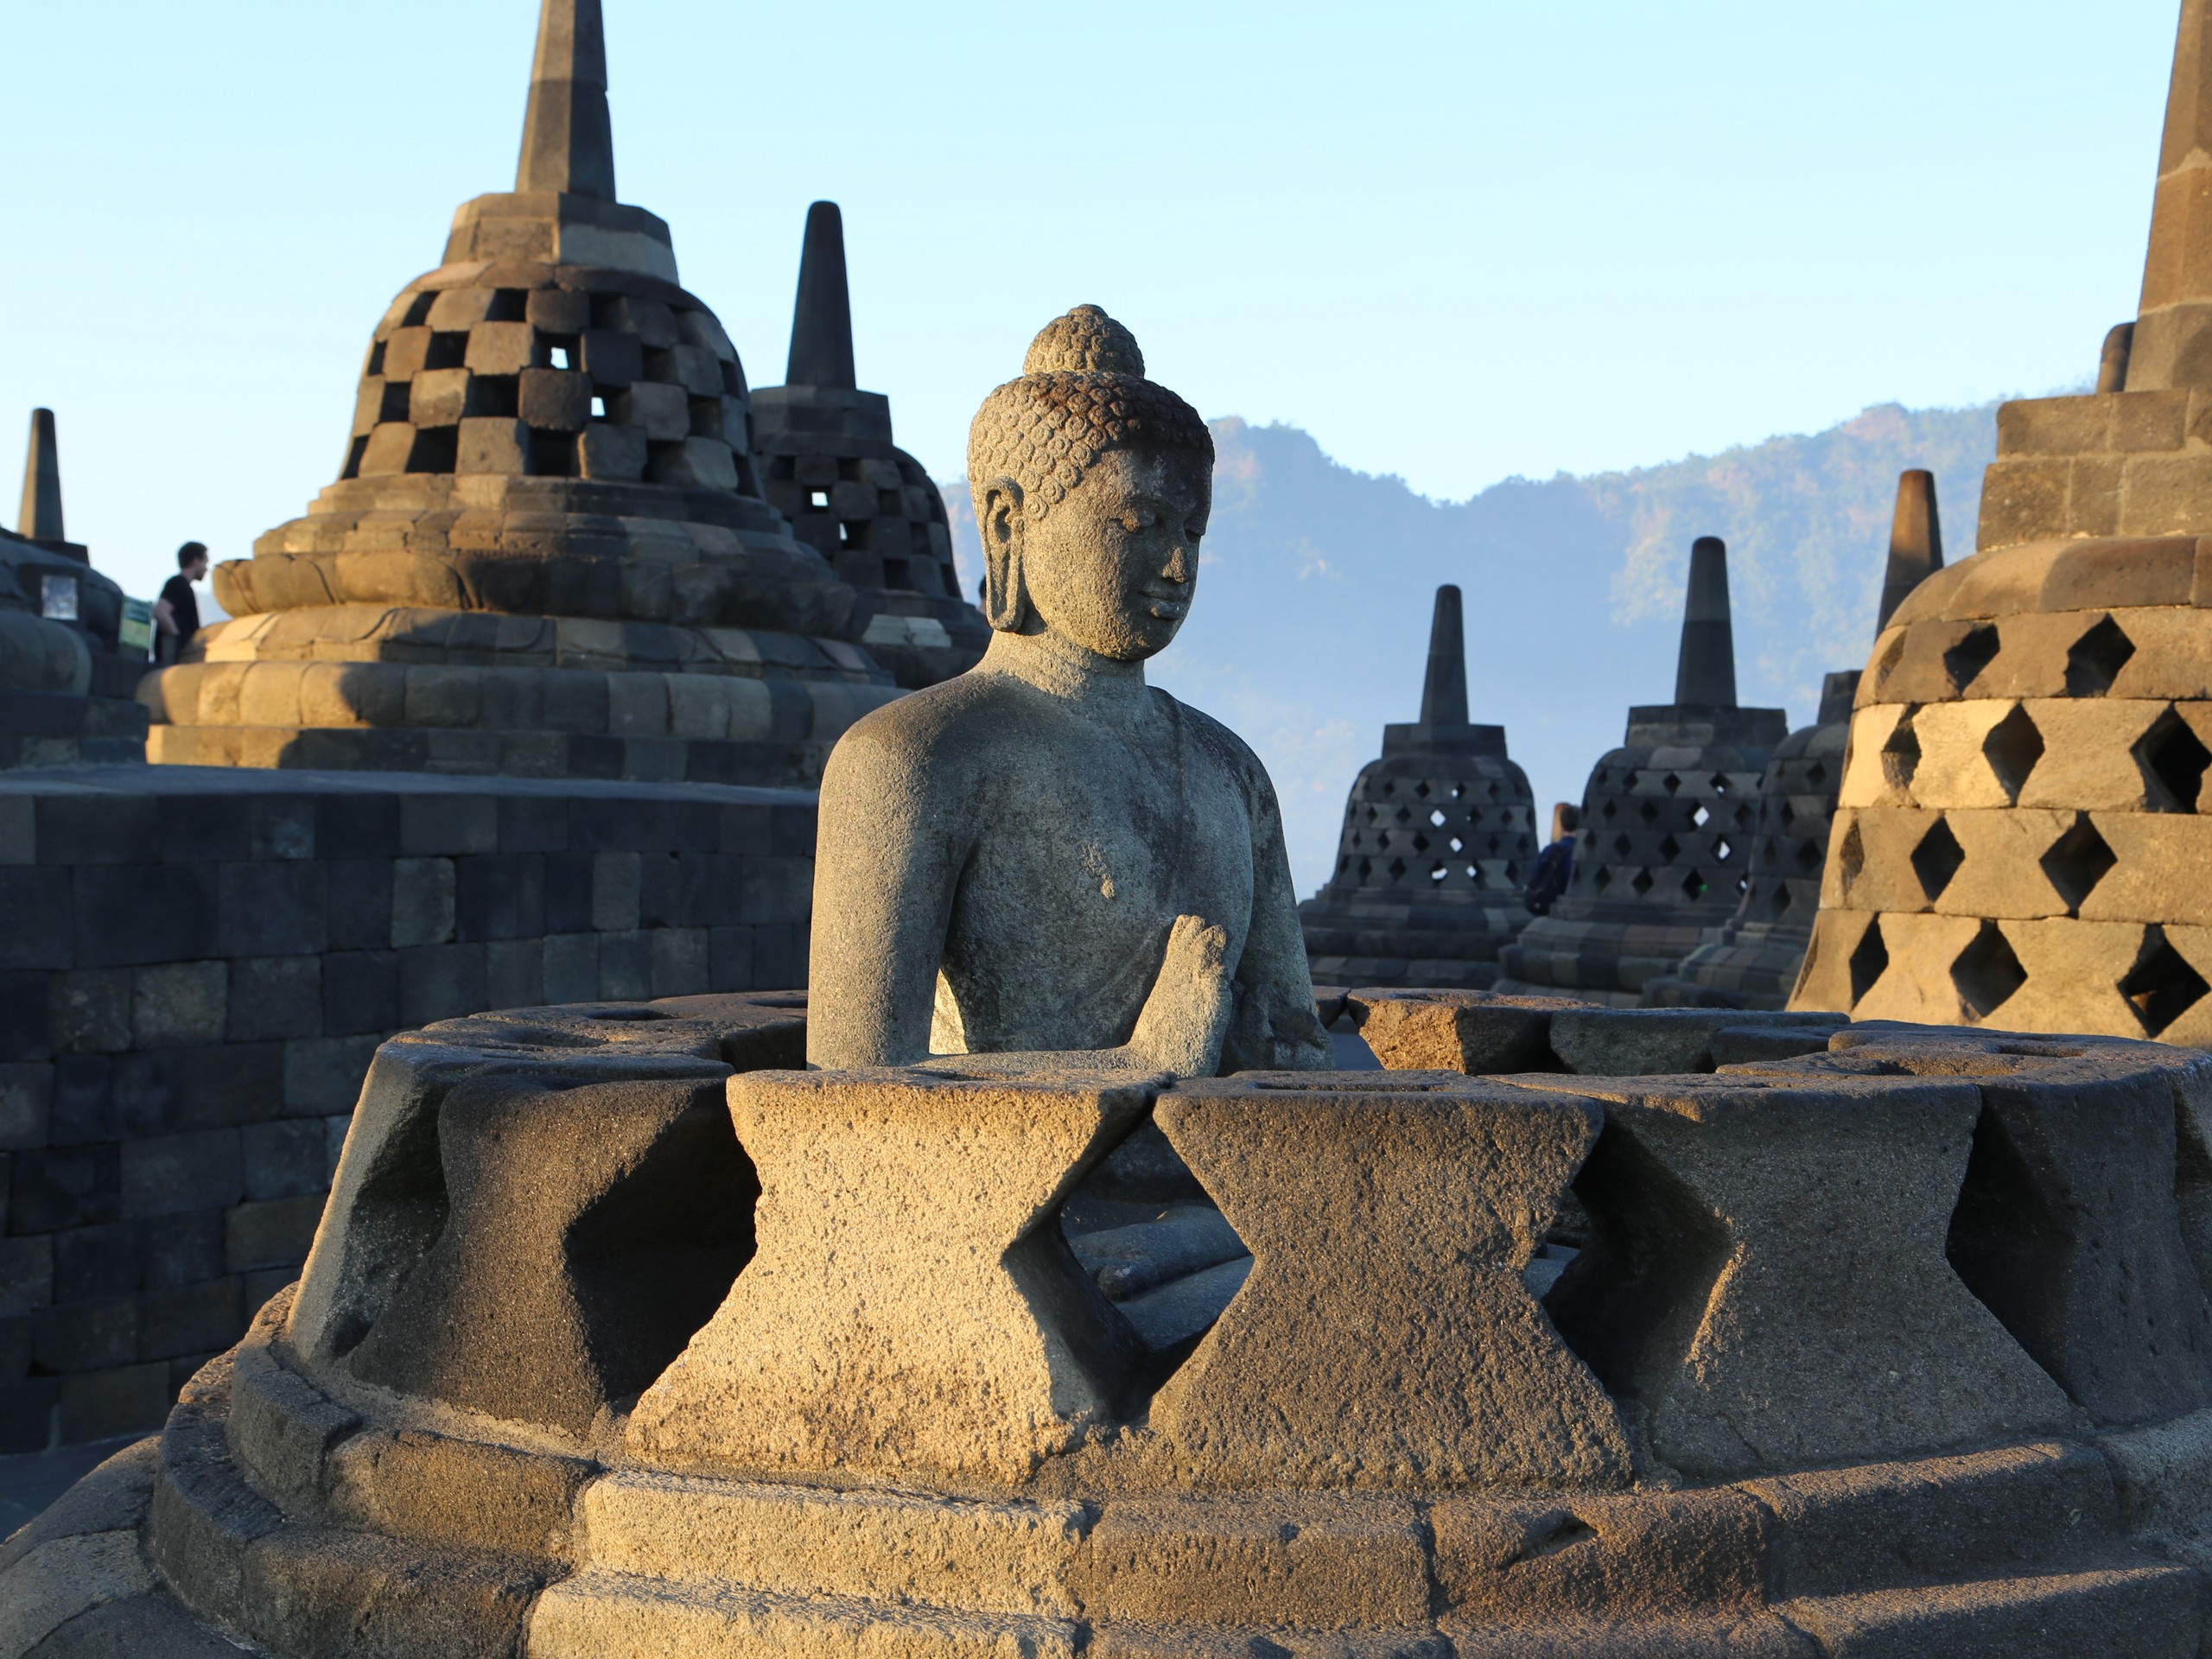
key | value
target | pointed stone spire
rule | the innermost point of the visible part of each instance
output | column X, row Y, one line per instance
column 2173, row 332
column 568, row 142
column 1444, row 692
column 40, row 518
column 1705, row 673
column 822, row 322
column 1916, row 542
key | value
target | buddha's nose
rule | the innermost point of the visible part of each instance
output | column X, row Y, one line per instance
column 1177, row 568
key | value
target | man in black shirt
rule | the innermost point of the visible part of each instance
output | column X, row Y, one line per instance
column 176, row 614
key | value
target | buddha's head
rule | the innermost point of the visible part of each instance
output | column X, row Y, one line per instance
column 1092, row 486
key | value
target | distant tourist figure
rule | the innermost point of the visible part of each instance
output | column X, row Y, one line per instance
column 1555, row 864
column 177, row 612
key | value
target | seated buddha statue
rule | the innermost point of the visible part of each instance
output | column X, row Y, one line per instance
column 1045, row 853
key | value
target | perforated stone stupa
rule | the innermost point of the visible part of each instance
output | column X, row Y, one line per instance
column 1667, row 821
column 828, row 464
column 2020, row 836
column 547, row 552
column 1751, row 960
column 1438, row 836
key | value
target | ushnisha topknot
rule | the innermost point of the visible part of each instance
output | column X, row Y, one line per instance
column 1081, row 394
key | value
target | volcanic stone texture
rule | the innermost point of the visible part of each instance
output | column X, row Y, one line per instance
column 1668, row 822
column 1752, row 959
column 196, row 965
column 2019, row 840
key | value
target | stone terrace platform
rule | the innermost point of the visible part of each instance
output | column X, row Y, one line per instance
column 1580, row 1331
column 196, row 965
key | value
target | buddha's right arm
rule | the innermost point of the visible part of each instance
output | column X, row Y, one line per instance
column 888, row 857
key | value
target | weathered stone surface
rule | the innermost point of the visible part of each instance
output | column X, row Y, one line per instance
column 1479, row 1032
column 1649, row 1042
column 1052, row 781
column 2122, row 1613
column 803, row 1542
column 1766, row 1279
column 1385, row 1336
column 881, row 1328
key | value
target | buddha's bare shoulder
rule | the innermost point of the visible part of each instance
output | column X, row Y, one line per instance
column 1227, row 750
column 966, row 717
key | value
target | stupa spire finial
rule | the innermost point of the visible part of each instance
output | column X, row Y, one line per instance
column 1444, row 692
column 40, row 516
column 1705, row 673
column 1916, row 541
column 821, row 320
column 568, row 142
column 2172, row 346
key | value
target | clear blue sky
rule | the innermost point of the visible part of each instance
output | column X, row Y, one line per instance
column 1454, row 241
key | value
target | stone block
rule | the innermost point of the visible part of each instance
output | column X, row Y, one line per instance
column 2166, row 495
column 1448, row 1221
column 559, row 312
column 571, row 966
column 2073, row 973
column 696, row 463
column 166, row 1174
column 1982, row 1515
column 35, row 918
column 360, row 904
column 1753, row 1341
column 182, row 1249
column 653, row 323
column 1478, row 1033
column 457, row 309
column 111, row 1498
column 91, row 1264
column 438, row 398
column 977, row 1346
column 1912, row 956
column 501, row 347
column 418, row 1485
column 441, row 982
column 498, row 896
column 615, row 878
column 1015, row 1557
column 26, row 1273
column 616, row 1169
column 1998, row 869
column 275, row 1233
column 613, row 452
column 55, row 1187
column 131, row 914
column 1955, row 768
column 554, row 400
column 216, row 1087
column 493, row 444
column 1655, row 1555
column 88, row 1011
column 1643, row 1042
column 2023, row 501
column 388, row 448
column 281, row 1427
column 626, row 967
column 274, row 908
column 514, row 974
column 323, row 1074
column 25, row 1105
column 83, row 1101
column 309, row 1589
column 661, row 411
column 1274, row 1561
column 190, row 1319
column 283, row 1159
column 422, row 902
column 612, row 359
column 679, row 959
column 274, row 997
column 2087, row 760
column 89, row 1336
column 180, row 1003
column 2057, row 426
column 2118, row 1613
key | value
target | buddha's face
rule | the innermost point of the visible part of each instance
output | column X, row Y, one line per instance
column 1113, row 566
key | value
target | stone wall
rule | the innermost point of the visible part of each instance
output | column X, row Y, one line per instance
column 195, row 966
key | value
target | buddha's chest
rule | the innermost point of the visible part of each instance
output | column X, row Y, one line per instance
column 1101, row 850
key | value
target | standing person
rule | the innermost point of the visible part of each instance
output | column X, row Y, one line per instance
column 177, row 612
column 1555, row 864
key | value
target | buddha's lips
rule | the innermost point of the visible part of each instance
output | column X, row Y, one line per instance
column 1167, row 609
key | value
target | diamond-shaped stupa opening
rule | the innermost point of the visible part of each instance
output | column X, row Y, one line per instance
column 1869, row 960
column 1988, row 972
column 1154, row 1246
column 1964, row 662
column 2162, row 986
column 2077, row 860
column 2173, row 759
column 2013, row 747
column 2096, row 658
column 1936, row 859
column 1901, row 754
column 1642, row 882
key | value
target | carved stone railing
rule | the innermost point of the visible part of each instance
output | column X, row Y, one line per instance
column 1694, row 1332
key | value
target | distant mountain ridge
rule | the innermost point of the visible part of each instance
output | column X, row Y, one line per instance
column 1309, row 632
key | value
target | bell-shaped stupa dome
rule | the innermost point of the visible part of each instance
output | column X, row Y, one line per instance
column 547, row 551
column 1438, row 837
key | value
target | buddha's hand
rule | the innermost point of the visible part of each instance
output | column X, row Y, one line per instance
column 1184, row 1021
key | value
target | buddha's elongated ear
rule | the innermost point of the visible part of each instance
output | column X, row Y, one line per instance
column 1006, row 601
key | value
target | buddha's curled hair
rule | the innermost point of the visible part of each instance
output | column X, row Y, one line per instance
column 1082, row 393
